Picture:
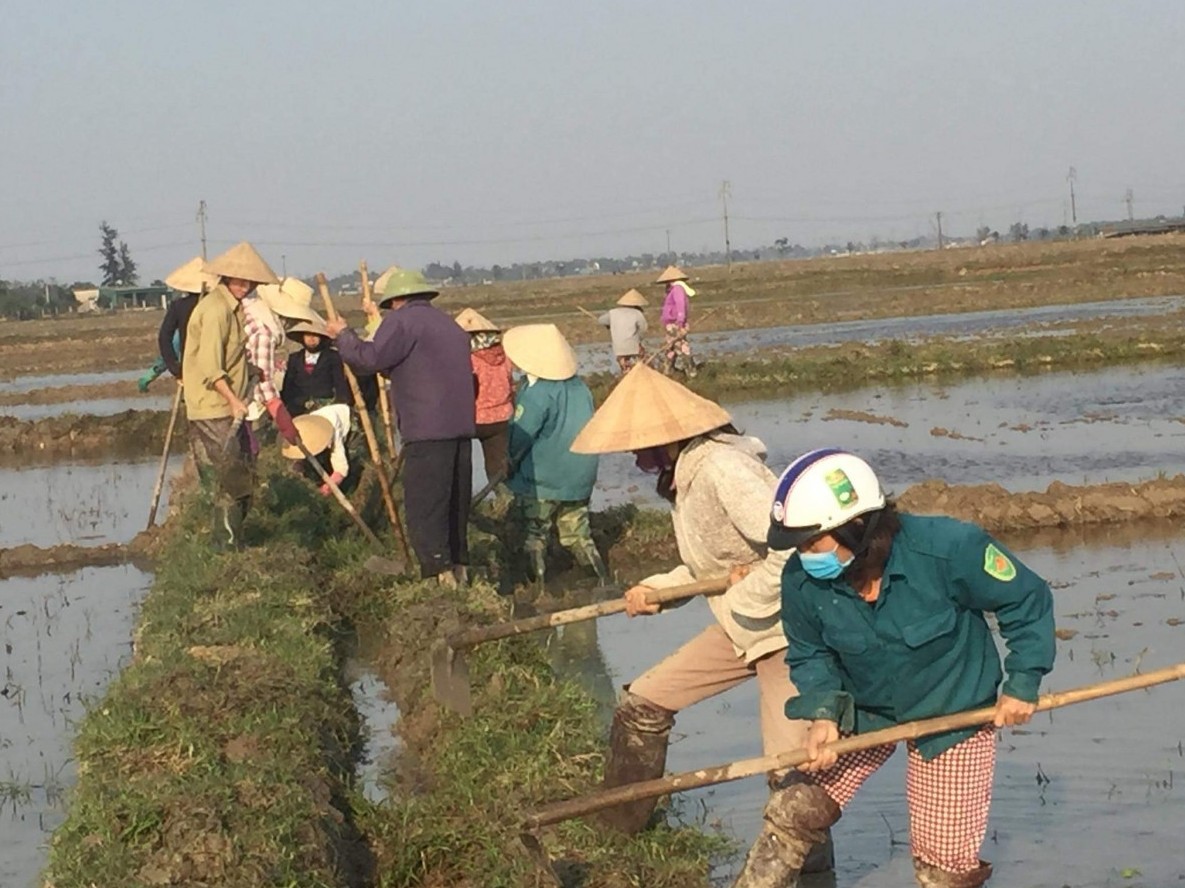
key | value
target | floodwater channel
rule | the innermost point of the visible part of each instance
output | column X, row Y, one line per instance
column 1042, row 320
column 1088, row 796
column 98, row 407
column 65, row 637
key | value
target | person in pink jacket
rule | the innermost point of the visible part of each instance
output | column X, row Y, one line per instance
column 676, row 311
column 494, row 386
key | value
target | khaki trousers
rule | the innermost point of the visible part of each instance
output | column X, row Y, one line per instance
column 708, row 665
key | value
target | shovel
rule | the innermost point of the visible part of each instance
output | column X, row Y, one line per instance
column 450, row 671
column 164, row 458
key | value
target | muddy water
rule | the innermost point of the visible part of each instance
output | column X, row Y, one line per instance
column 1021, row 432
column 28, row 383
column 976, row 324
column 99, row 407
column 77, row 503
column 64, row 638
column 1081, row 796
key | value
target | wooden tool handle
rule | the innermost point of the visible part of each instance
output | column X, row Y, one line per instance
column 648, row 789
column 471, row 637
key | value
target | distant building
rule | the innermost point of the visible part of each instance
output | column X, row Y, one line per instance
column 132, row 297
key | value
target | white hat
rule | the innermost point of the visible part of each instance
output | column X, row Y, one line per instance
column 291, row 298
column 820, row 491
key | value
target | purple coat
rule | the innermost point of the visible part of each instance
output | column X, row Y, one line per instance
column 674, row 307
column 427, row 357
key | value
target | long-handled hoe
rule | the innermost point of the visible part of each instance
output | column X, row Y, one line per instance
column 450, row 670
column 649, row 789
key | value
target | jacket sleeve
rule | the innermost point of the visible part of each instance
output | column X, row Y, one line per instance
column 530, row 414
column 813, row 666
column 388, row 349
column 164, row 339
column 987, row 577
column 604, row 320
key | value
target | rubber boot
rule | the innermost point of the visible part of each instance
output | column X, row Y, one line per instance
column 537, row 567
column 797, row 819
column 587, row 555
column 822, row 857
column 638, row 742
column 930, row 876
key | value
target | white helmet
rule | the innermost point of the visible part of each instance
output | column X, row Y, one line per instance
column 820, row 491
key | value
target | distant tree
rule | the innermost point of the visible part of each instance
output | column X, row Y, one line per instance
column 982, row 233
column 127, row 268
column 110, row 267
column 458, row 271
column 782, row 245
column 1063, row 231
column 1018, row 231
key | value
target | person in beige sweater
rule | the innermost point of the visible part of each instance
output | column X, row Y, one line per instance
column 719, row 489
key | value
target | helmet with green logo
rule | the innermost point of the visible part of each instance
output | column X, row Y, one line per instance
column 404, row 284
column 820, row 491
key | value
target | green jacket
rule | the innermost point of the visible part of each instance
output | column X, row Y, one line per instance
column 547, row 417
column 215, row 348
column 924, row 648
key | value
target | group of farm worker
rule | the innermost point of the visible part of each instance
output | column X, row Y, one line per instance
column 627, row 325
column 851, row 615
column 451, row 382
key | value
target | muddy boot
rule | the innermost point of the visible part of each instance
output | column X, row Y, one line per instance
column 797, row 819
column 637, row 751
column 537, row 564
column 461, row 574
column 929, row 876
column 587, row 555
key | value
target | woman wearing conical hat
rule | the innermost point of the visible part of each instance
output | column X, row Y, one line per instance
column 190, row 281
column 627, row 327
column 217, row 386
column 315, row 376
column 551, row 484
column 676, row 320
column 324, row 432
column 494, row 384
column 267, row 313
column 719, row 489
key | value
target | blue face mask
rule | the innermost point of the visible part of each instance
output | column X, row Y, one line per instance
column 823, row 565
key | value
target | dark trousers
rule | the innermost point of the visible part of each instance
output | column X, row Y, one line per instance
column 495, row 448
column 437, row 487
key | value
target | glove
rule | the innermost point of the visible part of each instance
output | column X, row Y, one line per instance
column 283, row 420
column 337, row 478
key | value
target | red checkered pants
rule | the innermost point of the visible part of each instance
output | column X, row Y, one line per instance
column 949, row 796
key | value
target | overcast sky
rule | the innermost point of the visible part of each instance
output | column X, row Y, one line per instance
column 405, row 132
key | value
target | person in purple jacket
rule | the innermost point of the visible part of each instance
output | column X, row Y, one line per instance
column 676, row 314
column 426, row 356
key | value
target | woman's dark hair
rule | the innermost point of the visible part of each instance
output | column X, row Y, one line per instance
column 870, row 537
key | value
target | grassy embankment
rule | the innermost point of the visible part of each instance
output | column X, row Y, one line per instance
column 223, row 753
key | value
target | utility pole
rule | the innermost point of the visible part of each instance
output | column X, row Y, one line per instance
column 1127, row 199
column 201, row 218
column 938, row 216
column 725, row 191
column 1072, row 177
column 283, row 265
column 668, row 246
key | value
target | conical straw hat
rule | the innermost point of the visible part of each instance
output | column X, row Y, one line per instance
column 316, row 326
column 242, row 261
column 673, row 273
column 316, row 432
column 647, row 409
column 189, row 278
column 380, row 282
column 291, row 298
column 633, row 299
column 472, row 321
column 541, row 350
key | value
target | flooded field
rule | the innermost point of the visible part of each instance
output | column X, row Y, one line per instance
column 64, row 638
column 101, row 407
column 77, row 503
column 28, row 383
column 1022, row 432
column 1040, row 320
column 1067, row 787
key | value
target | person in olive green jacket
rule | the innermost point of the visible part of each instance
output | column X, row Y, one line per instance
column 216, row 387
column 885, row 616
column 551, row 484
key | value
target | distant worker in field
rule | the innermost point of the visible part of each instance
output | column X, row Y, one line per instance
column 676, row 321
column 426, row 356
column 719, row 488
column 315, row 376
column 551, row 484
column 188, row 280
column 627, row 328
column 324, row 432
column 493, row 381
column 266, row 314
column 217, row 386
column 886, row 615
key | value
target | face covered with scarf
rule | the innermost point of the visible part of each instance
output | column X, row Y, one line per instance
column 659, row 461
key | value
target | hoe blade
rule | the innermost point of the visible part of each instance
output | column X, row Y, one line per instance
column 450, row 678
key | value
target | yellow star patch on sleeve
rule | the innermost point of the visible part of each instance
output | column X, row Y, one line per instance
column 998, row 565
